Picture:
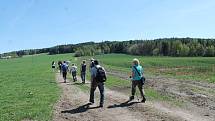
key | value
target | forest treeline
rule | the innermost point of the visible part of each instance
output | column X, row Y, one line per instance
column 178, row 47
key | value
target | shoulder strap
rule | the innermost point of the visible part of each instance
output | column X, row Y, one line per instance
column 137, row 71
column 98, row 67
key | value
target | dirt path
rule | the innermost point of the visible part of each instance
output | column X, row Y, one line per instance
column 73, row 106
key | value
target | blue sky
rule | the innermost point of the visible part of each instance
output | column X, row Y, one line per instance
column 28, row 24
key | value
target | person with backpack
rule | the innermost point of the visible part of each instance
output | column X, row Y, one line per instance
column 64, row 68
column 83, row 71
column 73, row 71
column 98, row 77
column 137, row 80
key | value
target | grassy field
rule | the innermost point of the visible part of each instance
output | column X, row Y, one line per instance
column 27, row 87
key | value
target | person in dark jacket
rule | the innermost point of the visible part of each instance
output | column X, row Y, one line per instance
column 83, row 71
column 64, row 69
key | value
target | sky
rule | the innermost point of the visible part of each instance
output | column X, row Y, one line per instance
column 31, row 24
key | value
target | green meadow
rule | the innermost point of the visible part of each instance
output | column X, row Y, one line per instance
column 28, row 88
column 29, row 91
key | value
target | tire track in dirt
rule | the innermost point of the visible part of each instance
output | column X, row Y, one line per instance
column 196, row 95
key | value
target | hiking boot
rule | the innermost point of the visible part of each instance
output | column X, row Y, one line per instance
column 131, row 98
column 91, row 103
column 101, row 106
column 143, row 100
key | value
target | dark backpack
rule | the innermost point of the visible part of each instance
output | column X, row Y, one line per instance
column 100, row 75
column 64, row 68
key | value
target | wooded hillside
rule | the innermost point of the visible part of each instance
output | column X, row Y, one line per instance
column 158, row 47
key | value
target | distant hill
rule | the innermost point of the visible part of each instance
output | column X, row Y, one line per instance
column 158, row 47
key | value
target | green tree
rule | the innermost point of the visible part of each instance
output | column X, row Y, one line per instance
column 210, row 51
column 184, row 50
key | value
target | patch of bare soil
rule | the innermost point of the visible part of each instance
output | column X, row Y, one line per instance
column 73, row 106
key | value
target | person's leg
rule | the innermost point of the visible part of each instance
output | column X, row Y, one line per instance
column 83, row 74
column 92, row 90
column 75, row 76
column 140, row 86
column 64, row 76
column 133, row 89
column 84, row 77
column 101, row 90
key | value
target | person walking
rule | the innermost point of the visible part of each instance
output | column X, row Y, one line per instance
column 91, row 64
column 73, row 71
column 64, row 69
column 53, row 66
column 83, row 71
column 60, row 66
column 98, row 77
column 137, row 80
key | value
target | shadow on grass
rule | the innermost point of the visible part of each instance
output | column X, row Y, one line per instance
column 53, row 82
column 124, row 104
column 80, row 109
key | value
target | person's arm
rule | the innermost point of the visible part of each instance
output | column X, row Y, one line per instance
column 104, row 69
column 132, row 72
column 94, row 70
column 142, row 70
column 70, row 70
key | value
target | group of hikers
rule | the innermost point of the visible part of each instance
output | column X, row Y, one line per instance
column 64, row 69
column 98, row 77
